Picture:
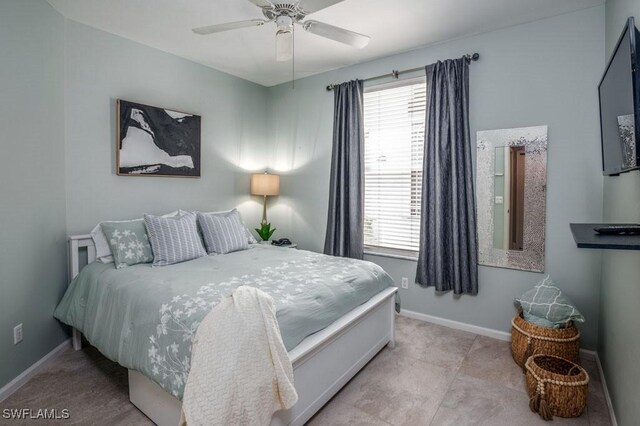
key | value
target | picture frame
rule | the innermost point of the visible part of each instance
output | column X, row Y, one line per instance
column 155, row 141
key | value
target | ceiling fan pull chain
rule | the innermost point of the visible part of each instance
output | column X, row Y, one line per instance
column 293, row 58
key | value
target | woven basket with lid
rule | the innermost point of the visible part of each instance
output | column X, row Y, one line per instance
column 557, row 387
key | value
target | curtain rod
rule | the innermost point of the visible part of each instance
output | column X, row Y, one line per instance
column 395, row 73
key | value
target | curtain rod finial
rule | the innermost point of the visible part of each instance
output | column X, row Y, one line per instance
column 472, row 57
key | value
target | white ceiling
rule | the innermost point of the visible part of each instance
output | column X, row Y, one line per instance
column 249, row 53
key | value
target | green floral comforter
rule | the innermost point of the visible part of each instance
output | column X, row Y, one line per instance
column 145, row 318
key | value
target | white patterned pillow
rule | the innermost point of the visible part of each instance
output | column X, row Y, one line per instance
column 546, row 306
column 128, row 241
column 174, row 239
column 223, row 233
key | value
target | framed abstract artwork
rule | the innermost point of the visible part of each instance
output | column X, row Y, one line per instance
column 154, row 141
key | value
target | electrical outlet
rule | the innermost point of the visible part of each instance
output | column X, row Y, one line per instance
column 17, row 334
column 499, row 199
column 405, row 282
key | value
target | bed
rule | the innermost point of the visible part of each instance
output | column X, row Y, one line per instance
column 334, row 314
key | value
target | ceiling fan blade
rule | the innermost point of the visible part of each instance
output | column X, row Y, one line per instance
column 228, row 26
column 310, row 6
column 336, row 33
column 262, row 3
column 284, row 45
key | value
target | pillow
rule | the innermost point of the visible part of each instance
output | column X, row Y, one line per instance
column 128, row 242
column 174, row 239
column 103, row 250
column 250, row 238
column 545, row 305
column 223, row 233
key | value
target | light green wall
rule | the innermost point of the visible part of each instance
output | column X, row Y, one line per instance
column 545, row 72
column 32, row 194
column 101, row 68
column 619, row 338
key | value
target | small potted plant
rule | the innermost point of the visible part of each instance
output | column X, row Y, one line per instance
column 265, row 232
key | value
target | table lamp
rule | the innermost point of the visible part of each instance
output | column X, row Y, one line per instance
column 266, row 185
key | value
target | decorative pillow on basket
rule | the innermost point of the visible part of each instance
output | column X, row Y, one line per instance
column 128, row 242
column 223, row 233
column 174, row 239
column 546, row 306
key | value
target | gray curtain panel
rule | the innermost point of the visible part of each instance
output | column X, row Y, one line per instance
column 448, row 258
column 346, row 203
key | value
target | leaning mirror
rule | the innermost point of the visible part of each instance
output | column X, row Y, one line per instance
column 511, row 185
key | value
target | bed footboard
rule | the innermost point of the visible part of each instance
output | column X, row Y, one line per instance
column 322, row 364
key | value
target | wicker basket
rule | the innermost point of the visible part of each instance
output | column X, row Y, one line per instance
column 557, row 387
column 528, row 339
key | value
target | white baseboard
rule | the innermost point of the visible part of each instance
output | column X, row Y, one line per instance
column 8, row 389
column 457, row 325
column 503, row 335
column 607, row 397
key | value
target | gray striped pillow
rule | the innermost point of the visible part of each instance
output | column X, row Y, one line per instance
column 174, row 239
column 223, row 233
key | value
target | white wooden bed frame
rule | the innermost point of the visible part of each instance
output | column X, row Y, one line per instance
column 322, row 363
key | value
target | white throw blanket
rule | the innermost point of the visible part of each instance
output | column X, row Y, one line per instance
column 240, row 370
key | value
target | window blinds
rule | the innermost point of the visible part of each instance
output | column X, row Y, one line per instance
column 394, row 117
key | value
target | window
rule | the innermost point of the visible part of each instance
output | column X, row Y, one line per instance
column 394, row 118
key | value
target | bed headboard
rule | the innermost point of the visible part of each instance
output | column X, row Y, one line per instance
column 78, row 243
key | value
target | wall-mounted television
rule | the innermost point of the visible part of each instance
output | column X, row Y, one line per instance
column 619, row 92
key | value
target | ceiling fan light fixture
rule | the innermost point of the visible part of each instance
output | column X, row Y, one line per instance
column 284, row 22
column 284, row 45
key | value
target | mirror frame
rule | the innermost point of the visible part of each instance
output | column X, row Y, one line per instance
column 534, row 139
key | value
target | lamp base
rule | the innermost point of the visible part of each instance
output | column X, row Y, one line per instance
column 264, row 211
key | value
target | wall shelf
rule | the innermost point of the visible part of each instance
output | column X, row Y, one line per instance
column 586, row 237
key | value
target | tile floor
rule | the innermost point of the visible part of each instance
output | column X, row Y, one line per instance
column 439, row 376
column 434, row 376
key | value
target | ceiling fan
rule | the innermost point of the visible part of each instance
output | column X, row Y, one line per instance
column 287, row 13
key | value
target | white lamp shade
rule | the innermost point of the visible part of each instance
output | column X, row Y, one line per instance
column 265, row 184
